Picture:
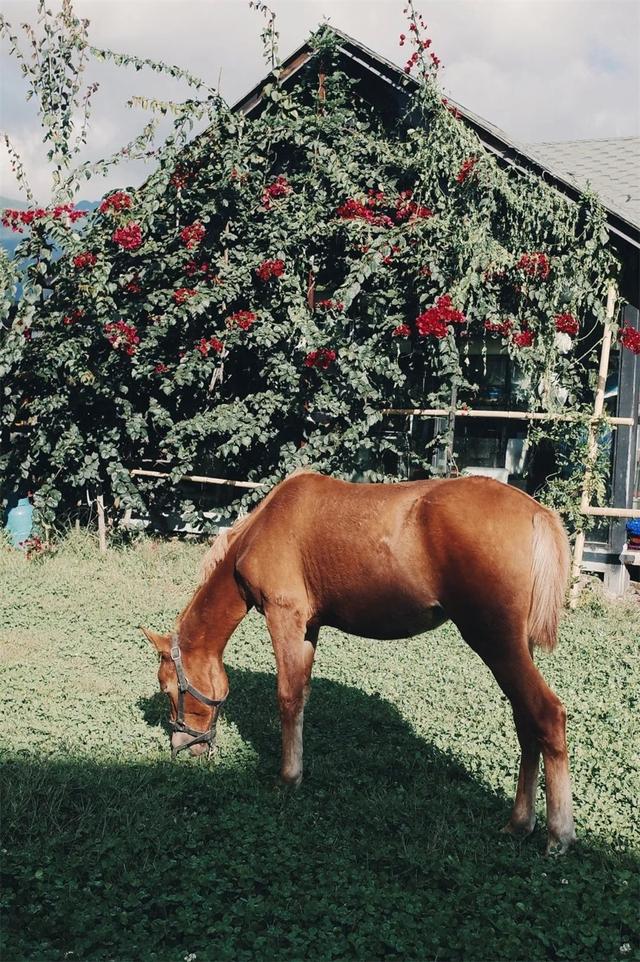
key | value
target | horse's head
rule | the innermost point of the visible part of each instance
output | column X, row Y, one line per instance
column 193, row 712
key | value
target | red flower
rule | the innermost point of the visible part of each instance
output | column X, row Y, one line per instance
column 74, row 316
column 388, row 258
column 181, row 177
column 270, row 268
column 499, row 327
column 567, row 324
column 523, row 339
column 122, row 336
column 536, row 264
column 129, row 238
column 407, row 208
column 279, row 188
column 328, row 305
column 402, row 330
column 412, row 61
column 243, row 319
column 116, row 202
column 182, row 294
column 16, row 220
column 435, row 320
column 467, row 169
column 67, row 210
column 322, row 357
column 353, row 209
column 205, row 345
column 161, row 368
column 192, row 234
column 80, row 261
column 192, row 267
column 450, row 107
column 630, row 338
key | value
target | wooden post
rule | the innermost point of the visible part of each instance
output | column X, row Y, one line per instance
column 322, row 94
column 592, row 444
column 102, row 528
column 311, row 290
column 451, row 432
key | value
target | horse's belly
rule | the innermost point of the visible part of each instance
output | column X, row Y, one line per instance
column 388, row 622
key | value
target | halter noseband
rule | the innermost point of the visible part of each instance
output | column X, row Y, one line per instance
column 184, row 685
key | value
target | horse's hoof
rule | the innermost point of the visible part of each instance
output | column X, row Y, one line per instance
column 519, row 829
column 291, row 782
column 559, row 846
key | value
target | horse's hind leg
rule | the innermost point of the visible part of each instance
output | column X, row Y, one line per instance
column 294, row 648
column 523, row 816
column 540, row 719
column 541, row 716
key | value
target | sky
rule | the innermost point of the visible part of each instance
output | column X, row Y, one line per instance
column 542, row 70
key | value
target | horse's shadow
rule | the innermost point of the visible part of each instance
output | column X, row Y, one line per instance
column 389, row 850
column 357, row 747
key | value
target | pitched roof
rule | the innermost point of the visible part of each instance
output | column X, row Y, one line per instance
column 611, row 167
column 614, row 180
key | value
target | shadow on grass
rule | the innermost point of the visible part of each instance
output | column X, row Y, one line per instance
column 390, row 850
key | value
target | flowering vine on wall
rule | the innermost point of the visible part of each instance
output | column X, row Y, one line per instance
column 314, row 258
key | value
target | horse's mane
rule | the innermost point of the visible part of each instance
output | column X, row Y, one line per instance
column 220, row 546
column 222, row 543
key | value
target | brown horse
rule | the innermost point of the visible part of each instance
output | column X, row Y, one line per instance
column 384, row 561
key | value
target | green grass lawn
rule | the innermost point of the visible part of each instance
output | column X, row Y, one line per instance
column 389, row 850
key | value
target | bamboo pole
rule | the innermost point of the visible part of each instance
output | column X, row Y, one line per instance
column 199, row 479
column 102, row 528
column 612, row 512
column 592, row 444
column 511, row 415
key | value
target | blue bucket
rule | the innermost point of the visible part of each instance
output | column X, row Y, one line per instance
column 633, row 527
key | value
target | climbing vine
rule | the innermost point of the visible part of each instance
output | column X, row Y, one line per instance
column 277, row 282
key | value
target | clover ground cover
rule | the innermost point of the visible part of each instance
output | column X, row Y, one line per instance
column 390, row 849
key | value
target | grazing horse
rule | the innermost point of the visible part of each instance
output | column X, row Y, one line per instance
column 384, row 561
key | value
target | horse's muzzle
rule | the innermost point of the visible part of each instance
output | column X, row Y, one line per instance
column 181, row 740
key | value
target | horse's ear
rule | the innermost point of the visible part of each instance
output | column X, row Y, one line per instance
column 161, row 643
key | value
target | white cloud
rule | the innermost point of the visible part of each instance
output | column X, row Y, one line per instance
column 540, row 69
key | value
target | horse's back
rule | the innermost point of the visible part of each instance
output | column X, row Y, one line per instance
column 389, row 560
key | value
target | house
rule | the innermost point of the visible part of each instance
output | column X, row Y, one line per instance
column 611, row 168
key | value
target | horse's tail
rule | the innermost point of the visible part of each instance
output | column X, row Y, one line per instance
column 550, row 564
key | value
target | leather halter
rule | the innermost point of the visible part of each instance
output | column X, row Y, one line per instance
column 184, row 685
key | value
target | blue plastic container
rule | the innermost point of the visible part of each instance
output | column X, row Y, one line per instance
column 19, row 522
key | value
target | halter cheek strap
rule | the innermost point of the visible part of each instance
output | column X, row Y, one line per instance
column 184, row 686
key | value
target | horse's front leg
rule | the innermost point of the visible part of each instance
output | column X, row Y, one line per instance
column 294, row 648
